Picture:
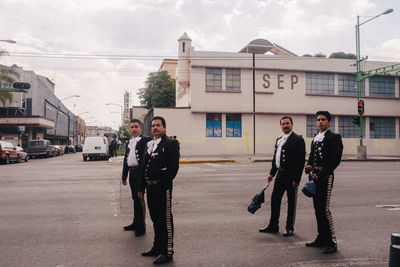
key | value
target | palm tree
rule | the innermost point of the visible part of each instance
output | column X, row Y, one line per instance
column 7, row 75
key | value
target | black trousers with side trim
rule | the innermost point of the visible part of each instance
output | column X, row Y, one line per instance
column 139, row 206
column 159, row 203
column 282, row 184
column 321, row 201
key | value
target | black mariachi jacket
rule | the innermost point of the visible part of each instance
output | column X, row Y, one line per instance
column 326, row 154
column 141, row 147
column 162, row 164
column 292, row 159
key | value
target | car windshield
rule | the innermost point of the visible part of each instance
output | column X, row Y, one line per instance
column 36, row 143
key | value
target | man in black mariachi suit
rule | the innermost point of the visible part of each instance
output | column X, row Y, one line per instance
column 325, row 156
column 288, row 164
column 160, row 166
column 134, row 151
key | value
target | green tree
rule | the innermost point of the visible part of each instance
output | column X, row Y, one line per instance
column 125, row 132
column 7, row 75
column 320, row 54
column 342, row 55
column 159, row 90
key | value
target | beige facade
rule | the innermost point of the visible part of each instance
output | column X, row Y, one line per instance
column 284, row 85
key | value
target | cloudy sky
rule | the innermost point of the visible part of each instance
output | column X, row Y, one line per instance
column 98, row 49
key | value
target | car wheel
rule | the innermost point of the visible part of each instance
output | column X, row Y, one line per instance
column 7, row 159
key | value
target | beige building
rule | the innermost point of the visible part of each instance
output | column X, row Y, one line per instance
column 217, row 111
column 169, row 65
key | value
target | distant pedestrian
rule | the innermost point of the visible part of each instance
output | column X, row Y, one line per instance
column 134, row 152
column 325, row 156
column 161, row 164
column 114, row 147
column 287, row 165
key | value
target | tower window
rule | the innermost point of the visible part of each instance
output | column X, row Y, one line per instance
column 183, row 47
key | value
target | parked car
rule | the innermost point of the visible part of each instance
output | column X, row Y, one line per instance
column 78, row 148
column 95, row 147
column 69, row 149
column 22, row 155
column 8, row 152
column 60, row 150
column 40, row 147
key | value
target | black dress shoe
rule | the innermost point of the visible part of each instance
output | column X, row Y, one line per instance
column 315, row 244
column 140, row 233
column 330, row 249
column 269, row 229
column 129, row 227
column 288, row 232
column 150, row 253
column 162, row 259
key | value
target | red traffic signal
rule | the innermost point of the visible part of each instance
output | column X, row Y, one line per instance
column 21, row 86
column 360, row 107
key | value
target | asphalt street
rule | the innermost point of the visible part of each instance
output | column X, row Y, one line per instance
column 66, row 212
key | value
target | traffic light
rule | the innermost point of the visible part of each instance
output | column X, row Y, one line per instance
column 21, row 85
column 360, row 107
column 356, row 120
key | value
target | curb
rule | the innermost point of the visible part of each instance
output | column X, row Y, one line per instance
column 206, row 161
column 359, row 160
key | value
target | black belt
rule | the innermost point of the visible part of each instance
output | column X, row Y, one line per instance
column 152, row 182
column 135, row 168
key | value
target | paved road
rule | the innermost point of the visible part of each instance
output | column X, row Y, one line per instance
column 66, row 212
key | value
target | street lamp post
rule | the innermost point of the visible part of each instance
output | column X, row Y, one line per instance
column 362, row 150
column 122, row 115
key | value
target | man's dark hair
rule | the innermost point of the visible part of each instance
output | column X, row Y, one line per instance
column 324, row 113
column 286, row 117
column 161, row 119
column 137, row 121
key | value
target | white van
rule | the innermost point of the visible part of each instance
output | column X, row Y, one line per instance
column 95, row 147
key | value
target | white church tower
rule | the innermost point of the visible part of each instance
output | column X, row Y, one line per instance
column 183, row 72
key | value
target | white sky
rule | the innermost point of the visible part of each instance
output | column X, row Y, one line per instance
column 150, row 29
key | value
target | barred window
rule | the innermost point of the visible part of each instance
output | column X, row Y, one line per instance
column 382, row 128
column 213, row 125
column 311, row 126
column 320, row 83
column 347, row 129
column 213, row 79
column 382, row 86
column 347, row 84
column 232, row 79
column 233, row 125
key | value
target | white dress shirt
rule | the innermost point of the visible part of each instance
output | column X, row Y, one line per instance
column 132, row 160
column 152, row 145
column 280, row 142
column 320, row 136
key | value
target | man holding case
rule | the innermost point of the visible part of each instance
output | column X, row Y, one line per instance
column 287, row 163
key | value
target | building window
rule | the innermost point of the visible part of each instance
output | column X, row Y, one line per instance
column 232, row 79
column 233, row 125
column 311, row 126
column 213, row 79
column 347, row 129
column 381, row 86
column 348, row 85
column 214, row 125
column 382, row 128
column 320, row 83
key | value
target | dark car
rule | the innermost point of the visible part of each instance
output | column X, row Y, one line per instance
column 40, row 147
column 8, row 152
column 78, row 148
column 22, row 155
column 69, row 149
